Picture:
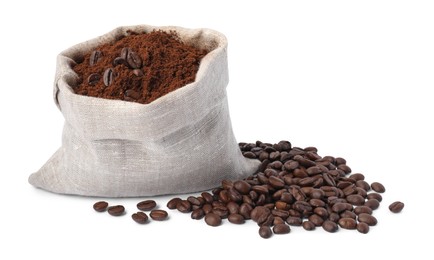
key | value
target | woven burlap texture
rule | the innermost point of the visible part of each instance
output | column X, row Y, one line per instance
column 182, row 142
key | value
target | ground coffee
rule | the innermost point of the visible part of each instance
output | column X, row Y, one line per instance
column 138, row 67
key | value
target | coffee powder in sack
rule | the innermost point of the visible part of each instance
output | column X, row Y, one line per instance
column 132, row 131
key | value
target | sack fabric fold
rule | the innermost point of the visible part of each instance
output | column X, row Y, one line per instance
column 180, row 143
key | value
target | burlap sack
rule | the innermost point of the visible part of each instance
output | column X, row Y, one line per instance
column 182, row 142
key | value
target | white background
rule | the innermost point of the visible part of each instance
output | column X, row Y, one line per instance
column 353, row 78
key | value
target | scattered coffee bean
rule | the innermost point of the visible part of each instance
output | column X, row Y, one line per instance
column 117, row 210
column 363, row 227
column 307, row 225
column 171, row 204
column 100, row 206
column 265, row 232
column 378, row 187
column 236, row 218
column 363, row 209
column 347, row 223
column 373, row 204
column 396, row 206
column 146, row 205
column 281, row 229
column 184, row 206
column 374, row 195
column 213, row 219
column 158, row 214
column 197, row 214
column 330, row 226
column 140, row 217
column 368, row 219
column 133, row 60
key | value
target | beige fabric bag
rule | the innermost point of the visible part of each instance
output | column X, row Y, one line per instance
column 182, row 142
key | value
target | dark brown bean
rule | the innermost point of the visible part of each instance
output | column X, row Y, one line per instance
column 146, row 205
column 373, row 204
column 158, row 214
column 242, row 187
column 207, row 208
column 307, row 225
column 294, row 221
column 330, row 226
column 259, row 214
column 316, row 219
column 347, row 223
column 340, row 207
column 265, row 232
column 117, row 210
column 317, row 203
column 171, row 204
column 374, row 195
column 134, row 61
column 278, row 220
column 357, row 177
column 222, row 211
column 348, row 214
column 344, row 168
column 378, row 187
column 184, row 206
column 140, row 217
column 322, row 212
column 276, row 182
column 197, row 214
column 249, row 155
column 193, row 200
column 340, row 160
column 363, row 209
column 363, row 227
column 334, row 217
column 396, row 206
column 363, row 184
column 100, row 206
column 245, row 210
column 236, row 218
column 213, row 220
column 281, row 229
column 368, row 219
column 355, row 199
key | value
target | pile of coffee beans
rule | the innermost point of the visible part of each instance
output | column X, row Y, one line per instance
column 140, row 216
column 293, row 187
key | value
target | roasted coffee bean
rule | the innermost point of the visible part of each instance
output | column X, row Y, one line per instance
column 317, row 194
column 297, row 193
column 171, row 204
column 207, row 208
column 119, row 61
column 260, row 189
column 313, row 170
column 317, row 203
column 294, row 221
column 207, row 197
column 280, row 213
column 340, row 207
column 246, row 210
column 242, row 187
column 340, row 161
column 197, row 213
column 287, row 197
column 363, row 209
column 94, row 57
column 355, row 199
column 224, row 196
column 357, row 177
column 372, row 203
column 213, row 219
column 322, row 212
column 281, row 229
column 302, row 206
column 146, row 205
column 236, row 218
column 378, row 187
column 276, row 182
column 222, row 211
column 265, row 232
column 132, row 94
column 184, row 206
column 227, row 184
column 363, row 184
column 108, row 77
column 363, row 227
column 234, row 195
column 193, row 200
column 140, row 217
column 117, row 210
column 124, row 53
column 344, row 168
column 347, row 223
column 249, row 155
column 374, row 195
column 278, row 220
column 348, row 214
column 93, row 79
column 316, row 219
column 233, row 207
column 307, row 225
column 334, row 217
column 290, row 165
column 100, row 206
column 259, row 214
column 158, row 214
column 368, row 219
column 330, row 226
column 396, row 206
